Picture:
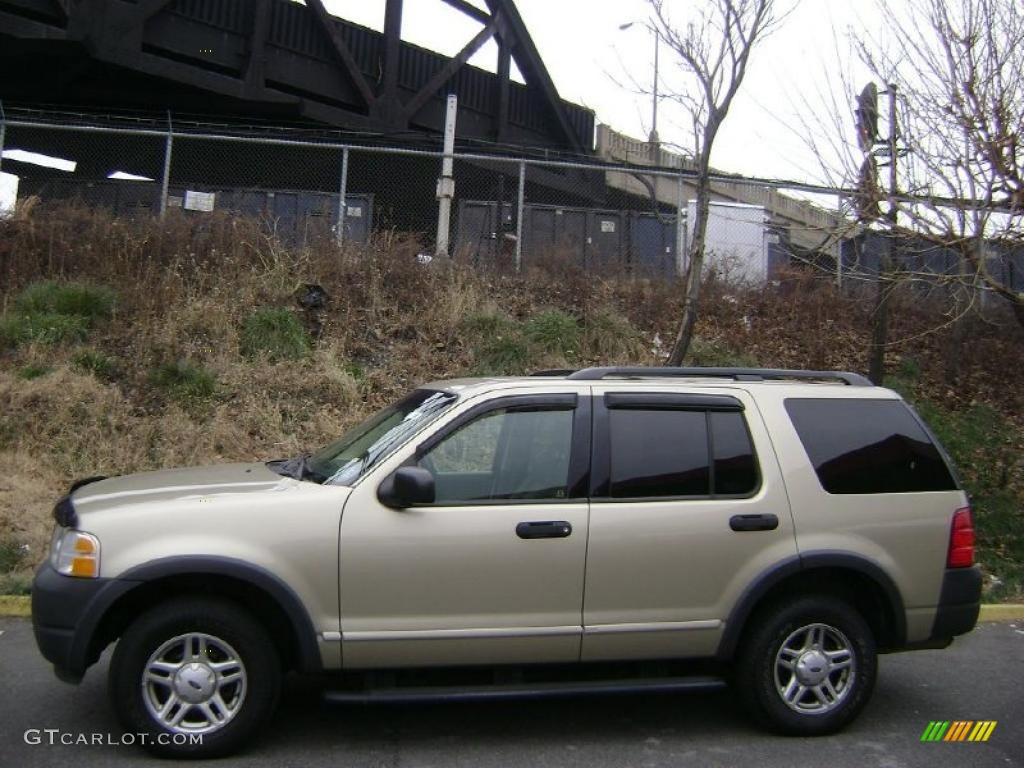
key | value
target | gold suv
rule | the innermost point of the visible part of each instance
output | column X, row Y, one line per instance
column 595, row 530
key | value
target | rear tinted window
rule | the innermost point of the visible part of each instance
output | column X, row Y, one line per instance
column 664, row 452
column 659, row 453
column 735, row 467
column 868, row 446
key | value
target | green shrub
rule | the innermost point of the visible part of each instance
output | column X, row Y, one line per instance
column 13, row 554
column 33, row 371
column 92, row 361
column 83, row 300
column 715, row 354
column 979, row 440
column 503, row 355
column 355, row 370
column 483, row 325
column 49, row 312
column 554, row 332
column 499, row 348
column 610, row 337
column 275, row 334
column 184, row 381
column 909, row 369
column 16, row 583
column 41, row 328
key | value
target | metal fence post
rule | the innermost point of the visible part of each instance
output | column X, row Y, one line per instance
column 680, row 229
column 520, row 205
column 165, row 181
column 342, row 190
column 3, row 132
column 446, row 184
column 838, row 246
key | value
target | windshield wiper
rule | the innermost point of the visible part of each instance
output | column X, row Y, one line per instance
column 298, row 468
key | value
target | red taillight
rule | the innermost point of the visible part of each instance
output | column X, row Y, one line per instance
column 961, row 540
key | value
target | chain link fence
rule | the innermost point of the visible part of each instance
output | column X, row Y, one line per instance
column 503, row 213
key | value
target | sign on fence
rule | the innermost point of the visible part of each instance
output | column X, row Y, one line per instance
column 199, row 201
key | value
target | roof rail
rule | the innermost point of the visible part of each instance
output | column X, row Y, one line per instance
column 737, row 374
column 554, row 372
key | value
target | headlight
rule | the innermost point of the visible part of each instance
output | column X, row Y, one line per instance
column 75, row 553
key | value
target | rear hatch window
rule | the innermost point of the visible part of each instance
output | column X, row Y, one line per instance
column 869, row 446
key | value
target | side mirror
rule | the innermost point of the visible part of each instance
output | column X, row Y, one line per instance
column 405, row 487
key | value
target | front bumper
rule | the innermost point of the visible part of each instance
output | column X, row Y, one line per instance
column 66, row 614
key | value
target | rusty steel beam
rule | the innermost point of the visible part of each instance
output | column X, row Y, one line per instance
column 255, row 66
column 532, row 66
column 446, row 72
column 392, row 45
column 66, row 8
column 504, row 85
column 149, row 8
column 340, row 47
column 470, row 10
column 114, row 32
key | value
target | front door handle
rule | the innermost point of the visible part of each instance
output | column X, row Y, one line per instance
column 547, row 529
column 766, row 522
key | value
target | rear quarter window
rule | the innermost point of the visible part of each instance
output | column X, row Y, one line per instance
column 868, row 446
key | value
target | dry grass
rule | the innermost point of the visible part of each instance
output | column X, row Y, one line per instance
column 185, row 287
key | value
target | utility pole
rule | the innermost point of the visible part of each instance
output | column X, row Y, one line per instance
column 446, row 184
column 654, row 143
column 880, row 316
column 165, row 180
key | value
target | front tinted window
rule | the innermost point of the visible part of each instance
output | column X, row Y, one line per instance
column 658, row 453
column 504, row 454
column 868, row 446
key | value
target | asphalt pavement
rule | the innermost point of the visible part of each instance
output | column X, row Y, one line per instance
column 979, row 678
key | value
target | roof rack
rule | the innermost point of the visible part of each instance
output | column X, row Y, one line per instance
column 554, row 372
column 737, row 374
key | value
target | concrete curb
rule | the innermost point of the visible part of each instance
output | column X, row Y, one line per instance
column 20, row 605
column 1001, row 612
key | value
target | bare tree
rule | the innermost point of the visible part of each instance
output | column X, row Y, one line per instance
column 958, row 64
column 713, row 51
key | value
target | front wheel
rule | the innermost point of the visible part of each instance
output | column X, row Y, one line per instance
column 807, row 667
column 196, row 677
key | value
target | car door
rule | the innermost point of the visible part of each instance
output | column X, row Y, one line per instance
column 492, row 571
column 688, row 508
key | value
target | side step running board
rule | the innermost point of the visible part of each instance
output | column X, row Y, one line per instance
column 525, row 690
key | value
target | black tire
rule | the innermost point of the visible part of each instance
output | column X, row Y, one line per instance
column 758, row 674
column 255, row 694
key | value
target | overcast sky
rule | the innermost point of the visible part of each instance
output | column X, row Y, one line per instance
column 585, row 53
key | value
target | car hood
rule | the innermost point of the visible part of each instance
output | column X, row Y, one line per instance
column 230, row 480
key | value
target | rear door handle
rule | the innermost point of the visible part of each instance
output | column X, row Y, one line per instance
column 766, row 522
column 547, row 529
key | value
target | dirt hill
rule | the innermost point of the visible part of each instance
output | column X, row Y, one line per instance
column 128, row 345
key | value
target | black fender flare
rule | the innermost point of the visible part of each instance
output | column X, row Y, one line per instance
column 284, row 596
column 807, row 561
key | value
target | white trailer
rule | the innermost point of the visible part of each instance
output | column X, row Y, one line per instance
column 8, row 193
column 736, row 242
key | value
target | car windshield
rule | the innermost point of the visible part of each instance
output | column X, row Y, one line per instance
column 346, row 460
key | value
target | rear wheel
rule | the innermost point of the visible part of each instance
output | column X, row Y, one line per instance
column 198, row 677
column 808, row 666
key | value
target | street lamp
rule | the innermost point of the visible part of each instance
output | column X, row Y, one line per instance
column 653, row 139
